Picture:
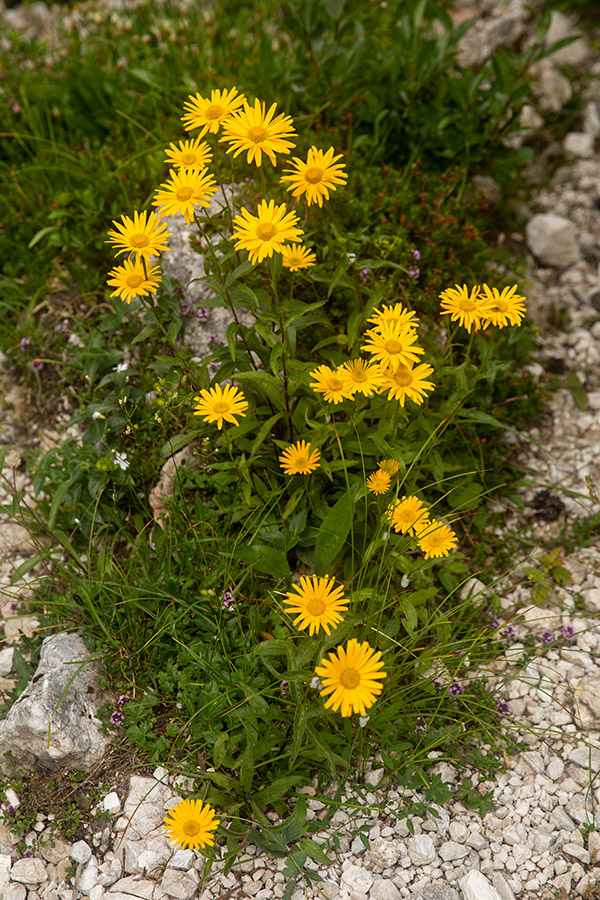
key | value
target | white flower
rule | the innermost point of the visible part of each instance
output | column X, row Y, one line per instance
column 351, row 257
column 404, row 581
column 362, row 720
column 122, row 367
column 121, row 461
column 316, row 684
column 97, row 415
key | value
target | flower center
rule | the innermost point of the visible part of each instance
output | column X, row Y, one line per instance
column 301, row 462
column 188, row 158
column 214, row 111
column 350, row 678
column 315, row 606
column 134, row 280
column 221, row 407
column 139, row 240
column 359, row 375
column 294, row 260
column 314, row 174
column 336, row 384
column 402, row 376
column 466, row 305
column 184, row 193
column 501, row 306
column 393, row 346
column 257, row 134
column 191, row 827
column 265, row 231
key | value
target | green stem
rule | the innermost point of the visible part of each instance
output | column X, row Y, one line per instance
column 283, row 355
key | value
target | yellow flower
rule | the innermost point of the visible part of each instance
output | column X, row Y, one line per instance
column 296, row 257
column 410, row 382
column 351, row 676
column 142, row 235
column 186, row 189
column 217, row 405
column 315, row 177
column 189, row 154
column 391, row 466
column 395, row 315
column 464, row 306
column 379, row 482
column 190, row 824
column 266, row 232
column 131, row 281
column 392, row 345
column 317, row 603
column 331, row 384
column 361, row 377
column 209, row 113
column 408, row 515
column 506, row 308
column 436, row 539
column 256, row 131
column 297, row 459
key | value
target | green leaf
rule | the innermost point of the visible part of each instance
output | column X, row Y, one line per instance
column 57, row 499
column 333, row 533
column 264, row 559
column 247, row 766
column 24, row 568
column 315, row 852
column 146, row 331
column 573, row 384
column 276, row 789
column 220, row 749
column 177, row 442
column 299, row 728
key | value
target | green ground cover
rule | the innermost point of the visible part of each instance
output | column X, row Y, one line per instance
column 188, row 613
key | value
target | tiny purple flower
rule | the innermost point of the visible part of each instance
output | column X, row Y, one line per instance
column 25, row 342
column 178, row 291
column 365, row 275
column 284, row 687
column 212, row 340
column 437, row 686
column 413, row 272
column 455, row 689
column 152, row 545
column 415, row 254
column 27, row 854
column 186, row 308
column 227, row 600
column 567, row 632
column 16, row 109
column 421, row 724
column 117, row 718
column 503, row 708
column 510, row 632
column 123, row 699
column 9, row 809
column 494, row 622
column 38, row 365
column 14, row 605
column 62, row 326
column 248, row 180
column 547, row 637
column 203, row 314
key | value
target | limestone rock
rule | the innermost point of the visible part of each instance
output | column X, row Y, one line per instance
column 550, row 87
column 587, row 701
column 163, row 489
column 179, row 885
column 384, row 852
column 28, row 871
column 75, row 737
column 450, row 851
column 421, row 850
column 14, row 891
column 475, row 886
column 384, row 889
column 551, row 239
column 438, row 892
column 579, row 144
column 574, row 54
column 356, row 880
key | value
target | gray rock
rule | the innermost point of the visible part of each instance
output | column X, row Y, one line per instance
column 14, row 891
column 384, row 889
column 184, row 859
column 591, row 119
column 591, row 597
column 28, row 871
column 577, row 852
column 384, row 852
column 6, row 661
column 475, row 886
column 551, row 239
column 421, row 850
column 135, row 886
column 144, row 807
column 502, row 886
column 586, row 757
column 587, row 698
column 550, row 87
column 438, row 892
column 562, row 26
column 555, row 768
column 180, row 885
column 579, row 144
column 356, row 880
column 111, row 803
column 80, row 852
column 89, row 876
column 75, row 737
column 450, row 851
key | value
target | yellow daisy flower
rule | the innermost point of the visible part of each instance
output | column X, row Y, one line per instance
column 296, row 257
column 186, row 189
column 351, row 676
column 189, row 154
column 297, row 459
column 408, row 514
column 317, row 603
column 391, row 466
column 392, row 345
column 410, row 382
column 331, row 384
column 255, row 130
column 506, row 307
column 190, row 824
column 131, row 281
column 379, row 482
column 217, row 405
column 142, row 235
column 209, row 113
column 315, row 177
column 396, row 315
column 436, row 539
column 266, row 232
column 361, row 377
column 466, row 307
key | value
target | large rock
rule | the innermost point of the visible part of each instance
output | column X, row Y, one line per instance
column 552, row 241
column 574, row 54
column 475, row 886
column 54, row 722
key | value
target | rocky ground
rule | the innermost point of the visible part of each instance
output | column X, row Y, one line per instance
column 531, row 846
